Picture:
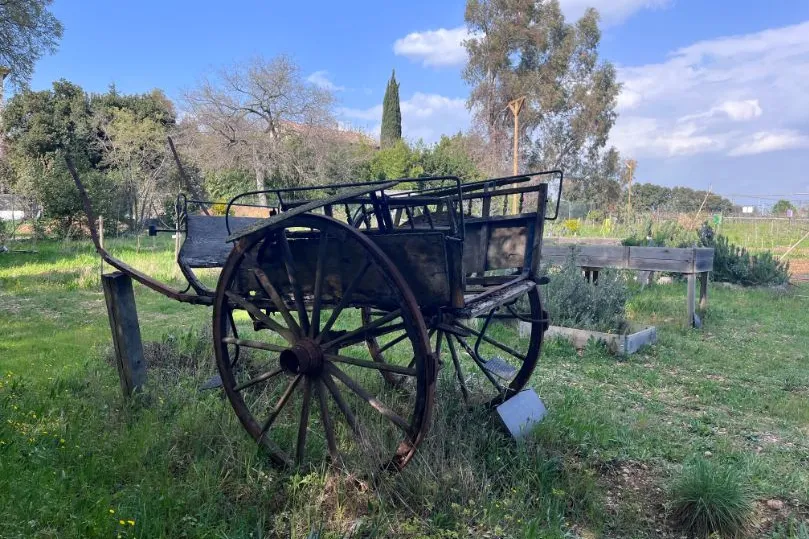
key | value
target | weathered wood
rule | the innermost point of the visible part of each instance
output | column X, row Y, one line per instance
column 628, row 343
column 478, row 307
column 704, row 259
column 691, row 299
column 206, row 244
column 703, row 290
column 421, row 257
column 126, row 338
column 679, row 260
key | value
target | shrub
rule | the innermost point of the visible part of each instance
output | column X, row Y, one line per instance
column 572, row 301
column 733, row 264
column 661, row 234
column 708, row 498
column 572, row 226
column 596, row 216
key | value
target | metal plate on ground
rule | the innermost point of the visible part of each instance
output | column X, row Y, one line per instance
column 521, row 413
column 212, row 383
column 500, row 368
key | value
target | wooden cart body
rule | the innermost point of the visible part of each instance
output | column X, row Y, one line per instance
column 451, row 245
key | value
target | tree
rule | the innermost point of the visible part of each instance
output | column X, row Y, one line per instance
column 29, row 30
column 135, row 150
column 597, row 181
column 451, row 156
column 525, row 48
column 781, row 207
column 395, row 161
column 243, row 117
column 391, row 115
column 118, row 143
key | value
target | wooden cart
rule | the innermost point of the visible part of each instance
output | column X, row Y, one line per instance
column 334, row 318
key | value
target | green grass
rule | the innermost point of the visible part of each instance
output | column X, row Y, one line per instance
column 75, row 460
column 709, row 499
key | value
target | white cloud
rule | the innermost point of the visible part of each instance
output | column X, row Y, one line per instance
column 321, row 79
column 771, row 141
column 612, row 11
column 637, row 135
column 725, row 91
column 424, row 116
column 438, row 48
column 734, row 110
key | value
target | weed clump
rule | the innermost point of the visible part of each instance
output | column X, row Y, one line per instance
column 708, row 498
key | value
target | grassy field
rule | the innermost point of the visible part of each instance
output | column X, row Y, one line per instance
column 76, row 461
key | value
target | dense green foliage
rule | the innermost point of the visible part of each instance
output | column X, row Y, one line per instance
column 29, row 30
column 391, row 131
column 782, row 206
column 573, row 301
column 708, row 498
column 661, row 234
column 651, row 197
column 118, row 143
column 734, row 264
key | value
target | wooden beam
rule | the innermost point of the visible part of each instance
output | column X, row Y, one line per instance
column 125, row 329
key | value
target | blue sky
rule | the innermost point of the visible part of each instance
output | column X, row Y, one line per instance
column 716, row 93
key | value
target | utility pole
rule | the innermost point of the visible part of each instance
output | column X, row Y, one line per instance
column 4, row 71
column 630, row 171
column 515, row 107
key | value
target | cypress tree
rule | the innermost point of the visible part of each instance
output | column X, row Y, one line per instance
column 391, row 115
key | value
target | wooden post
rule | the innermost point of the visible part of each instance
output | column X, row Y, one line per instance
column 123, row 317
column 692, row 286
column 703, row 290
column 101, row 238
column 515, row 107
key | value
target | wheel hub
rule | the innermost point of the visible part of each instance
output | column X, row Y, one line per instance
column 305, row 357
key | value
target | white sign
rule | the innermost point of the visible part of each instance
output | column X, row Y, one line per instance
column 748, row 209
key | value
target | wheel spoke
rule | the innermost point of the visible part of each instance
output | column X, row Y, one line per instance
column 235, row 331
column 319, row 276
column 480, row 363
column 261, row 316
column 367, row 397
column 371, row 364
column 286, row 254
column 258, row 379
column 247, row 343
column 342, row 405
column 303, row 426
column 325, row 418
column 501, row 346
column 276, row 298
column 361, row 332
column 343, row 301
column 280, row 405
column 394, row 342
column 458, row 370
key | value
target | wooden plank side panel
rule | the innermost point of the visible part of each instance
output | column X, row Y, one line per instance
column 668, row 253
column 494, row 245
column 206, row 244
column 704, row 259
column 420, row 258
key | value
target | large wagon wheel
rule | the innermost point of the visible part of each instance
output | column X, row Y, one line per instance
column 287, row 332
column 488, row 359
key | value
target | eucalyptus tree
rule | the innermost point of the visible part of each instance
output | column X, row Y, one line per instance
column 526, row 48
column 28, row 30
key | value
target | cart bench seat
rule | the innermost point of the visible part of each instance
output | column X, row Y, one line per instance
column 206, row 244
